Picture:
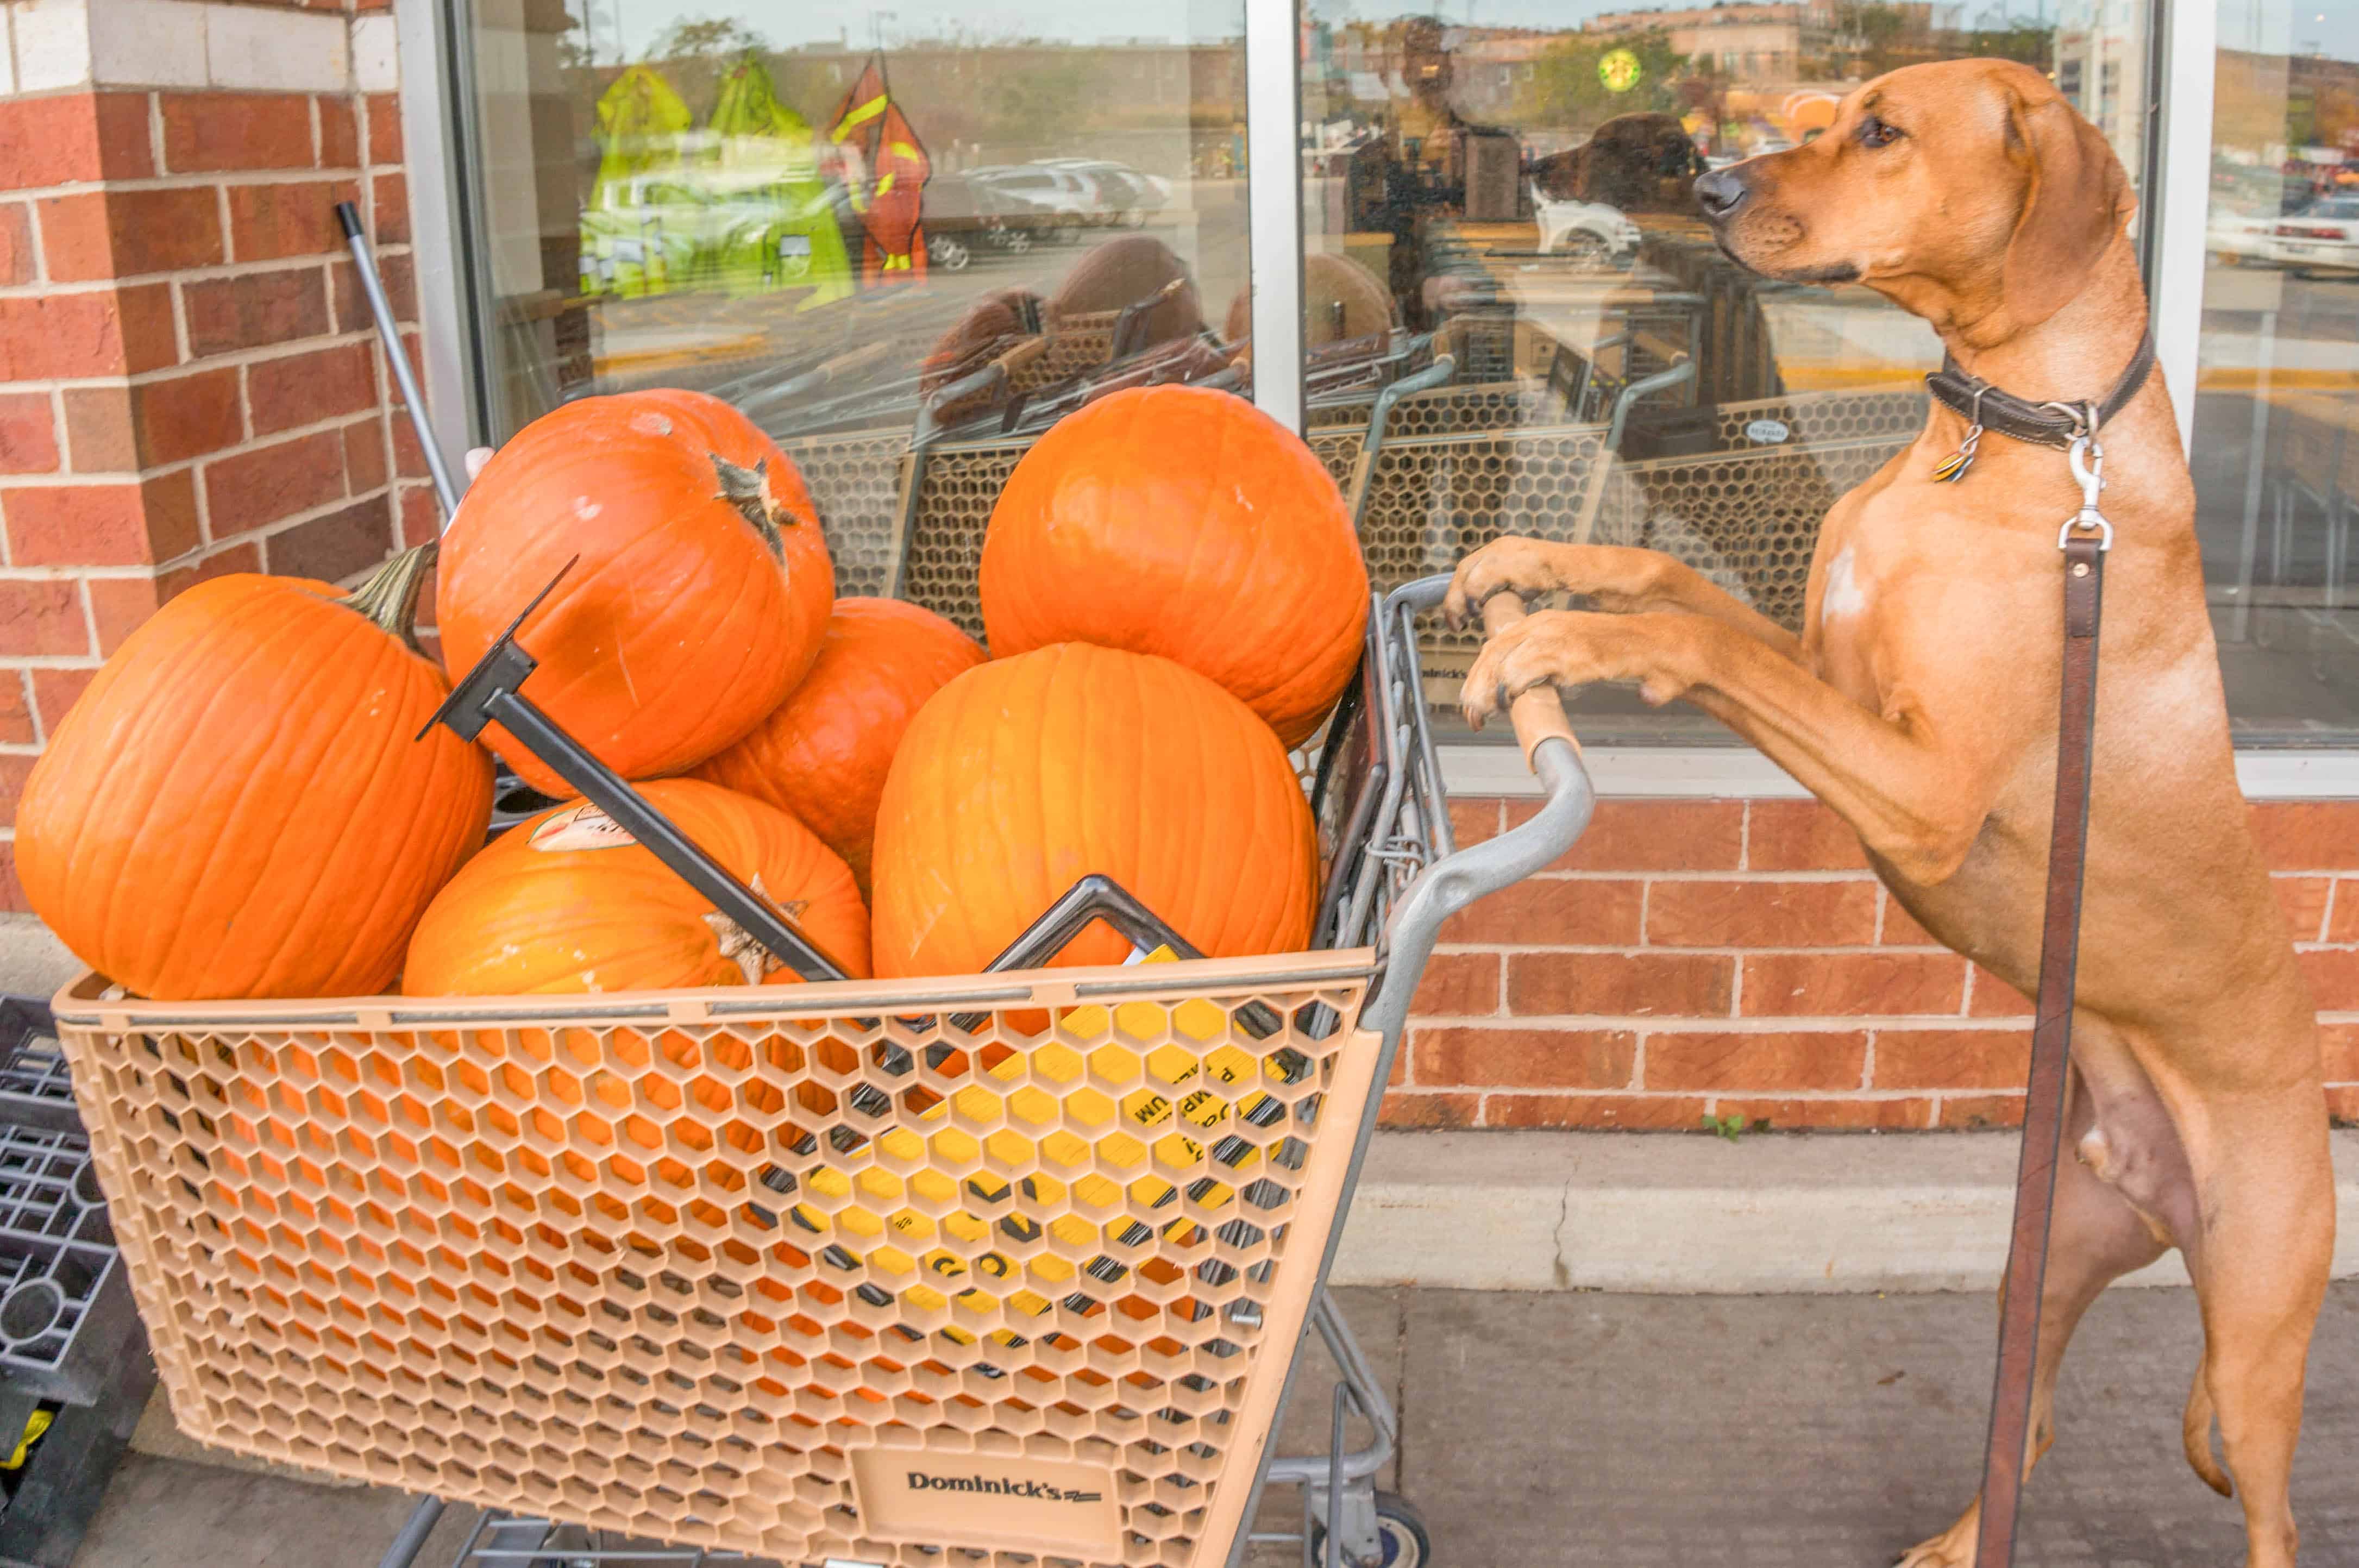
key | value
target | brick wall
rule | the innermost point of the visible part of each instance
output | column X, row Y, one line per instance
column 1718, row 957
column 188, row 383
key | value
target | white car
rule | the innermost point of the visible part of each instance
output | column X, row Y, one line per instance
column 2237, row 237
column 2324, row 233
column 1588, row 229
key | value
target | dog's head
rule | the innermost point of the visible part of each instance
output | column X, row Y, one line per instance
column 1641, row 162
column 1951, row 187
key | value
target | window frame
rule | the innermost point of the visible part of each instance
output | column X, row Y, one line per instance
column 452, row 261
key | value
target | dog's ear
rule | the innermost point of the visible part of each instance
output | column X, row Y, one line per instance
column 2075, row 200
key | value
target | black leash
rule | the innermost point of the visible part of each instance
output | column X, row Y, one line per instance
column 1986, row 408
column 2085, row 539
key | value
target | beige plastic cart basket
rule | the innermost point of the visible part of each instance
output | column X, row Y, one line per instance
column 1013, row 1265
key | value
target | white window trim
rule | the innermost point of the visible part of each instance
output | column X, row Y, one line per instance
column 2183, row 202
column 429, row 154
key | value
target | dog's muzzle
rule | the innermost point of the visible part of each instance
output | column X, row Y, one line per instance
column 1721, row 193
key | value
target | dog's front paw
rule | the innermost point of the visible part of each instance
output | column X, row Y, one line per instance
column 1953, row 1548
column 1573, row 647
column 1511, row 565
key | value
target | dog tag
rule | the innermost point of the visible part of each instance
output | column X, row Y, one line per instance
column 1953, row 467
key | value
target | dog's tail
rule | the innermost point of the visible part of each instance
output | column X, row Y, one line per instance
column 2195, row 1429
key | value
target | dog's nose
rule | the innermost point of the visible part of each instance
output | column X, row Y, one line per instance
column 1721, row 192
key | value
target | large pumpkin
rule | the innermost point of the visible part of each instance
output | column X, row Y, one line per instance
column 822, row 754
column 700, row 588
column 1187, row 523
column 571, row 902
column 1027, row 773
column 238, row 806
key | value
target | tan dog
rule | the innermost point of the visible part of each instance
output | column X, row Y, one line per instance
column 1920, row 703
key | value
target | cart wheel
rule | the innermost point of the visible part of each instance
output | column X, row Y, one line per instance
column 1402, row 1540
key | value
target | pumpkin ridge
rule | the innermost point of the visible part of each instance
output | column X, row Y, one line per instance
column 277, row 628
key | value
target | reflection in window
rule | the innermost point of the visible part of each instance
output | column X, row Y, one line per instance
column 2277, row 424
column 1502, row 242
column 878, row 232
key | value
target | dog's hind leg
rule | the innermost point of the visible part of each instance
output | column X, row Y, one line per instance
column 2099, row 1235
column 2260, row 1262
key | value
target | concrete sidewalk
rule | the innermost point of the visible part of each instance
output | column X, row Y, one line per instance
column 1547, row 1429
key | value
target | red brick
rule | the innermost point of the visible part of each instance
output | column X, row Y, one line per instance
column 12, row 891
column 1652, row 835
column 409, row 459
column 270, row 222
column 1417, row 1110
column 127, row 234
column 210, row 132
column 2304, row 900
column 42, row 619
column 189, row 416
column 353, row 314
column 253, row 489
column 1799, row 836
column 2342, row 1107
column 392, row 210
column 1829, row 1116
column 16, row 709
column 1627, row 1113
column 1951, row 1058
column 253, row 312
column 383, row 127
column 66, row 140
column 1759, row 1063
column 1900, row 926
column 1471, row 821
column 117, row 607
column 1524, row 1058
column 99, row 435
column 55, row 692
column 2333, row 977
column 14, row 767
column 2308, row 835
column 2339, row 1051
column 1615, row 985
column 1552, row 911
column 340, row 133
column 1761, row 914
column 103, row 525
column 1458, row 984
column 2342, row 918
column 1971, row 1113
column 1995, row 998
column 331, row 549
column 1806, row 985
column 96, row 332
column 364, row 456
column 304, row 389
column 422, row 514
column 29, row 433
column 15, row 242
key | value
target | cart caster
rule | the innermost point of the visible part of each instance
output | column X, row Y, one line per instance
column 1402, row 1540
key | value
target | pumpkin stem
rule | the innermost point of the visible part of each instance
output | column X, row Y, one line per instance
column 389, row 597
column 747, row 489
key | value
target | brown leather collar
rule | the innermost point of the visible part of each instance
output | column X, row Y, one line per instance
column 2041, row 424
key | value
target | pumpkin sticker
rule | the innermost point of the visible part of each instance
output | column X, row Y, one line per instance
column 584, row 827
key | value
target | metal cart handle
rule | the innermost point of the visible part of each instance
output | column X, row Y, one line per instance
column 1450, row 885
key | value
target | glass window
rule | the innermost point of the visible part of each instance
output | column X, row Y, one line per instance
column 2276, row 426
column 924, row 226
column 1611, row 376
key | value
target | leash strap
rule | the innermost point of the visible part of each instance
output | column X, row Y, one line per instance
column 2052, row 1044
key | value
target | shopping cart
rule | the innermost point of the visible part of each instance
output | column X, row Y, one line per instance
column 1005, row 1268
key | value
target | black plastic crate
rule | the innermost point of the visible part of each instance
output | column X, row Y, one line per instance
column 71, row 1341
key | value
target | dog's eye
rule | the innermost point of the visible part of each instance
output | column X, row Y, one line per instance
column 1874, row 132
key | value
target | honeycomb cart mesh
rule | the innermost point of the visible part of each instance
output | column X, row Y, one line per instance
column 854, row 481
column 1009, row 1266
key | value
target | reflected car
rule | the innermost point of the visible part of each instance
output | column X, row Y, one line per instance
column 2323, row 235
column 2241, row 238
column 1124, row 194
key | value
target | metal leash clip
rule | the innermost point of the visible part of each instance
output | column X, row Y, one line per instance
column 2088, row 460
column 1953, row 467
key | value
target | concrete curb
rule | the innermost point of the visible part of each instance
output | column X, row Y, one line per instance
column 1780, row 1215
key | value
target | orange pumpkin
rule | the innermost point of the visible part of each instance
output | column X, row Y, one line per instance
column 236, row 807
column 1187, row 523
column 698, row 597
column 571, row 902
column 1027, row 773
column 823, row 753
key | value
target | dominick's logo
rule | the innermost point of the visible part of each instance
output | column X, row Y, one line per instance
column 921, row 1482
